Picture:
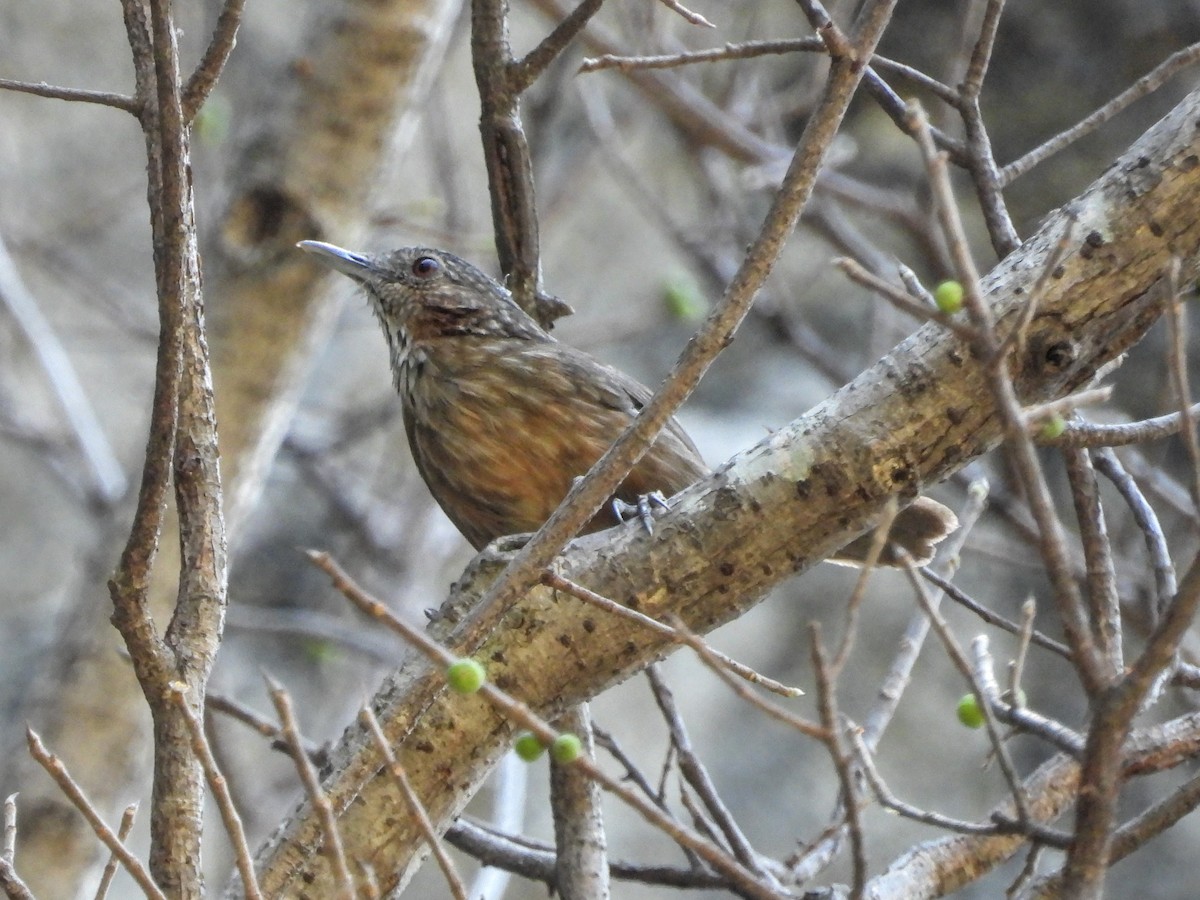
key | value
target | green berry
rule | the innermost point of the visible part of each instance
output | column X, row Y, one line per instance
column 1053, row 427
column 969, row 712
column 949, row 297
column 528, row 746
column 566, row 748
column 465, row 676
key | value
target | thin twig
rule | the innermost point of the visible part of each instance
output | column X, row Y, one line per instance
column 10, row 881
column 524, row 72
column 312, row 787
column 535, row 859
column 973, row 676
column 746, row 50
column 1100, row 570
column 1016, row 671
column 1177, row 331
column 1020, row 447
column 981, row 161
column 850, row 629
column 686, row 14
column 773, row 710
column 694, row 772
column 241, row 713
column 107, row 472
column 1155, row 820
column 955, row 593
column 110, row 867
column 9, row 851
column 1037, row 416
column 216, row 54
column 220, row 790
column 831, row 719
column 56, row 770
column 415, row 808
column 1148, row 83
column 1147, row 522
column 1088, row 434
column 558, row 583
column 888, row 800
column 1017, row 337
column 903, row 301
column 103, row 98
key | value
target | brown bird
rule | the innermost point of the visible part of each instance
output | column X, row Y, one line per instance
column 501, row 417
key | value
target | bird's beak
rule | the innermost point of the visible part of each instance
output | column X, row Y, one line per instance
column 355, row 265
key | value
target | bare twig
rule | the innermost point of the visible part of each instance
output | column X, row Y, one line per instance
column 854, row 602
column 268, row 729
column 890, row 801
column 209, row 69
column 1016, row 337
column 955, row 593
column 696, row 775
column 1148, row 83
column 103, row 98
column 746, row 50
column 980, row 679
column 312, row 787
column 558, row 583
column 1103, row 601
column 1087, row 856
column 110, row 867
column 1017, row 669
column 1088, row 434
column 1177, row 366
column 1144, row 517
column 10, row 881
column 1037, row 416
column 901, row 300
column 831, row 719
column 107, row 473
column 415, row 808
column 686, row 14
column 535, row 859
column 220, row 790
column 8, row 852
column 524, row 72
column 56, row 770
column 1020, row 447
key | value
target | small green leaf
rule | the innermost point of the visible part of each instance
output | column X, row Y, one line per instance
column 683, row 299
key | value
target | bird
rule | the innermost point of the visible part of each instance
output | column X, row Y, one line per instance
column 502, row 417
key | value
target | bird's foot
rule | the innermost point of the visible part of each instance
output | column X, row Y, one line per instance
column 644, row 508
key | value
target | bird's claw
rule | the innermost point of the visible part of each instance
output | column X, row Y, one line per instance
column 643, row 508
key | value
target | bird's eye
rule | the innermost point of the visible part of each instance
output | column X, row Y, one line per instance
column 426, row 267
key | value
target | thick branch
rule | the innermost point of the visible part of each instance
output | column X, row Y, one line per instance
column 913, row 419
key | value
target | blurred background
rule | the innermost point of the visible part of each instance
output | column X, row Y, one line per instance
column 639, row 228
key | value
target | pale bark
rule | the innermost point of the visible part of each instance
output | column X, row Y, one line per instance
column 914, row 418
